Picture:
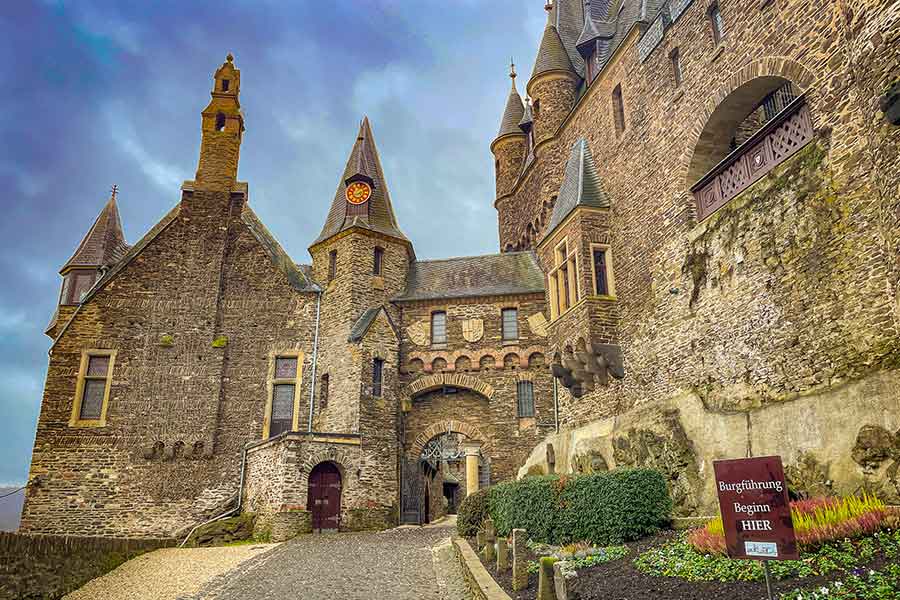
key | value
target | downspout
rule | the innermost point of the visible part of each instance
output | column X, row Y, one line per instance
column 315, row 356
column 231, row 511
column 556, row 403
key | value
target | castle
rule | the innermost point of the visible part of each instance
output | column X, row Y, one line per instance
column 697, row 204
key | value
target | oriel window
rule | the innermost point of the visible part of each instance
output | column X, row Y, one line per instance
column 563, row 280
column 601, row 277
column 377, row 377
column 525, row 396
column 438, row 328
column 92, row 389
column 510, row 324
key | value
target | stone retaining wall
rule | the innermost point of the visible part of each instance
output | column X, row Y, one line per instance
column 478, row 580
column 45, row 566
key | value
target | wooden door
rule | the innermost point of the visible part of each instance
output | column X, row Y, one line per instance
column 324, row 500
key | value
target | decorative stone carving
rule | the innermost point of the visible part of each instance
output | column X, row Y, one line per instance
column 538, row 324
column 473, row 330
column 419, row 333
column 577, row 373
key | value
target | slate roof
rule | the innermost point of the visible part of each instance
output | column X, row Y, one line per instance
column 513, row 113
column 104, row 244
column 568, row 17
column 471, row 276
column 552, row 54
column 380, row 217
column 362, row 325
column 580, row 187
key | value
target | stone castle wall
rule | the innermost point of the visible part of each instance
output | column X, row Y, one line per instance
column 770, row 327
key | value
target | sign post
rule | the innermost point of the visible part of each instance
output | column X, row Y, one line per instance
column 756, row 510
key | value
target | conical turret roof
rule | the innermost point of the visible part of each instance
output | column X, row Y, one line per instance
column 552, row 55
column 104, row 244
column 580, row 187
column 378, row 214
column 514, row 111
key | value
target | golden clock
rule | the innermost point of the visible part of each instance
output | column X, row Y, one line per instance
column 358, row 192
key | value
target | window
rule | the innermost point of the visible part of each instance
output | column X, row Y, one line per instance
column 377, row 377
column 225, row 85
column 332, row 265
column 601, row 272
column 717, row 23
column 525, row 395
column 284, row 399
column 220, row 122
column 510, row 324
column 563, row 280
column 438, row 328
column 92, row 389
column 76, row 285
column 379, row 258
column 536, row 108
column 618, row 107
column 675, row 57
column 323, row 392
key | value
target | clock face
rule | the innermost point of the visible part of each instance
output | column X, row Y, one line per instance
column 358, row 192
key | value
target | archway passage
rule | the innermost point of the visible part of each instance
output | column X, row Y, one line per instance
column 324, row 498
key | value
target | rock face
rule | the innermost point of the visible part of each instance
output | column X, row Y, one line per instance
column 221, row 532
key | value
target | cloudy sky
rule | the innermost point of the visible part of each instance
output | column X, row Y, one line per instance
column 96, row 93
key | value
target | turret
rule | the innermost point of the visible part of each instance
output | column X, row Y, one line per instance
column 510, row 146
column 102, row 247
column 553, row 86
column 223, row 127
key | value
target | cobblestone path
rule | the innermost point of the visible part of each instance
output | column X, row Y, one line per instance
column 401, row 564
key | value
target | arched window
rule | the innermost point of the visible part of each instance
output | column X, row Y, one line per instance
column 220, row 122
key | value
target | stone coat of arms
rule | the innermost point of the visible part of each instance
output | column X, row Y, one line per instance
column 419, row 333
column 473, row 330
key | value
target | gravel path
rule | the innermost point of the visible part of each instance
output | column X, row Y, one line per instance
column 169, row 573
column 400, row 564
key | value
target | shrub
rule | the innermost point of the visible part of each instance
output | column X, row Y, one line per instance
column 815, row 521
column 472, row 513
column 603, row 508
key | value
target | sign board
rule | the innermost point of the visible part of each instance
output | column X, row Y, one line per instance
column 756, row 511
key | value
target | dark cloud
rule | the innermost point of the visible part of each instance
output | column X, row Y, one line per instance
column 97, row 93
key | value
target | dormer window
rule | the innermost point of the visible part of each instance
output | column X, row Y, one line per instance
column 225, row 85
column 76, row 285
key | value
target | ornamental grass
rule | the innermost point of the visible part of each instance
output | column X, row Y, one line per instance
column 816, row 521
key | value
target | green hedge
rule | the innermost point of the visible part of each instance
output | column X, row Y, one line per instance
column 472, row 513
column 604, row 508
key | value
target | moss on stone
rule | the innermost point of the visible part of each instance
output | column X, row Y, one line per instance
column 220, row 342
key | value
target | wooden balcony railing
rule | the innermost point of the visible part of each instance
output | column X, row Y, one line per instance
column 779, row 139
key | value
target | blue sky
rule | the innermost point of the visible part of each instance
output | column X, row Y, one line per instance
column 96, row 93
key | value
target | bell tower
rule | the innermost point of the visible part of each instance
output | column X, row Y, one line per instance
column 223, row 127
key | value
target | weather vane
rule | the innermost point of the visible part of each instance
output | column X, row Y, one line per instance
column 114, row 190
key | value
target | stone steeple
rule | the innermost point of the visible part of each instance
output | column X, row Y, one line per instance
column 223, row 127
column 104, row 244
column 369, row 209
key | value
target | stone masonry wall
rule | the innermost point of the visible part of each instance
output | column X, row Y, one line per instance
column 770, row 313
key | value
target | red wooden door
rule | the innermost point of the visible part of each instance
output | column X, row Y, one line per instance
column 324, row 500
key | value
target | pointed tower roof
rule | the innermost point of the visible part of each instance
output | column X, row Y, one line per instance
column 552, row 54
column 580, row 187
column 104, row 244
column 514, row 108
column 363, row 164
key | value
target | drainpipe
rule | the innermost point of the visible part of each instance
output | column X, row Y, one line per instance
column 231, row 511
column 315, row 356
column 556, row 403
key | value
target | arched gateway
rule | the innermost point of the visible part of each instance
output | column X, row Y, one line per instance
column 324, row 499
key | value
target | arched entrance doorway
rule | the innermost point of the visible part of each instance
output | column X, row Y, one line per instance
column 324, row 499
column 434, row 481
